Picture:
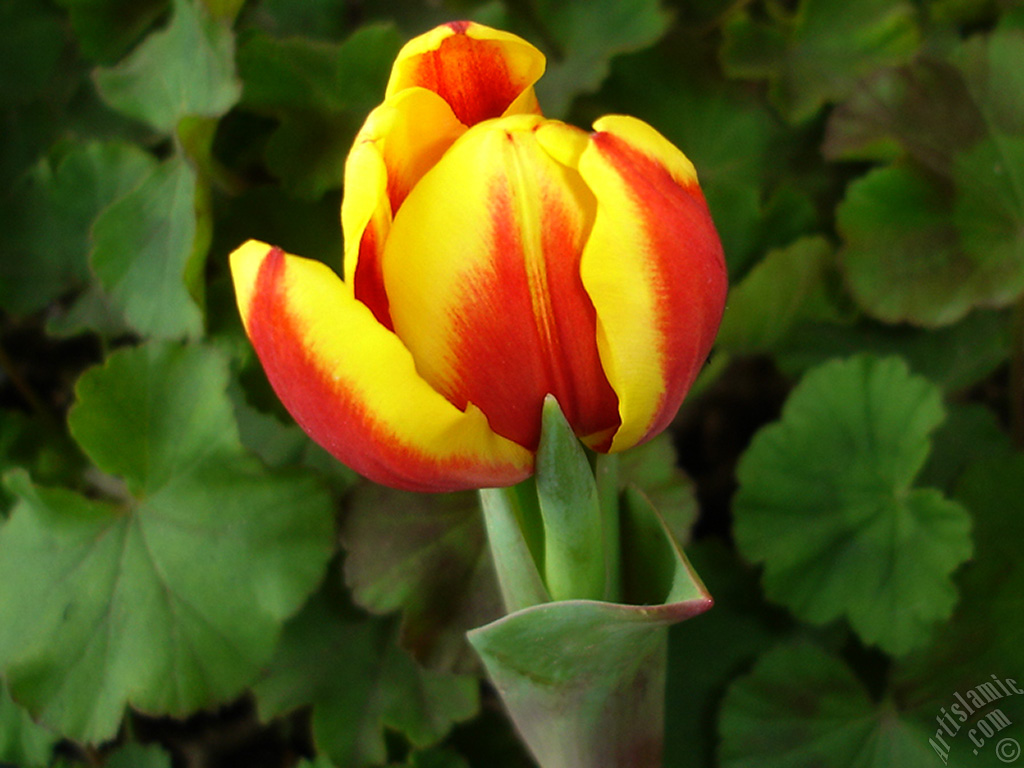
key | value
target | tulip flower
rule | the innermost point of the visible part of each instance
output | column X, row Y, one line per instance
column 492, row 257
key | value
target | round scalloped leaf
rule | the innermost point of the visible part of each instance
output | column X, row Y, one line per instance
column 172, row 596
column 820, row 53
column 188, row 68
column 901, row 256
column 360, row 684
column 802, row 707
column 826, row 503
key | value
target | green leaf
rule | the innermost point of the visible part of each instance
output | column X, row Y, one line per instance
column 436, row 570
column 800, row 707
column 923, row 111
column 22, row 742
column 139, row 756
column 171, row 597
column 148, row 248
column 320, row 93
column 53, row 209
column 789, row 286
column 186, row 69
column 654, row 468
column 954, row 357
column 727, row 134
column 826, row 503
column 901, row 255
column 984, row 637
column 574, row 540
column 31, row 42
column 583, row 680
column 359, row 683
column 704, row 656
column 106, row 29
column 989, row 214
column 820, row 53
column 589, row 33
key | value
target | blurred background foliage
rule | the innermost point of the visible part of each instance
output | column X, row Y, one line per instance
column 186, row 580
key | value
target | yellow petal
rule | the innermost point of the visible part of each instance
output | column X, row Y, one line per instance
column 653, row 267
column 482, row 268
column 399, row 142
column 481, row 72
column 352, row 386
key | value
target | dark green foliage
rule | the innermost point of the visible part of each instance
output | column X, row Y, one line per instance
column 186, row 579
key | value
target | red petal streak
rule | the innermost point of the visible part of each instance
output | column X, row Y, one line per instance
column 332, row 413
column 369, row 280
column 527, row 327
column 471, row 75
column 685, row 251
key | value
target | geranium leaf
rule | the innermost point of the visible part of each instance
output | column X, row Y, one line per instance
column 819, row 54
column 186, row 69
column 148, row 247
column 589, row 34
column 54, row 207
column 359, row 683
column 437, row 569
column 320, row 93
column 790, row 285
column 172, row 597
column 826, row 502
column 22, row 741
column 107, row 28
column 801, row 706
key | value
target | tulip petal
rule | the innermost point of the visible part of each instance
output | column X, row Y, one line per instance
column 654, row 269
column 352, row 386
column 400, row 140
column 481, row 72
column 482, row 267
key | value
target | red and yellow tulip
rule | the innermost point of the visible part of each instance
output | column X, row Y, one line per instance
column 492, row 256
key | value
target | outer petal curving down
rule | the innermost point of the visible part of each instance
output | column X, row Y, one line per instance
column 352, row 386
column 655, row 270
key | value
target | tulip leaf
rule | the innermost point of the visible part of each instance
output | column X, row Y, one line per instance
column 437, row 570
column 583, row 679
column 818, row 54
column 320, row 93
column 575, row 539
column 789, row 286
column 589, row 34
column 55, row 206
column 149, row 247
column 802, row 706
column 107, row 28
column 170, row 596
column 186, row 69
column 826, row 502
column 359, row 683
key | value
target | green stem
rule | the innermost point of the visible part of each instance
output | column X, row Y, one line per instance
column 606, row 472
column 520, row 581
